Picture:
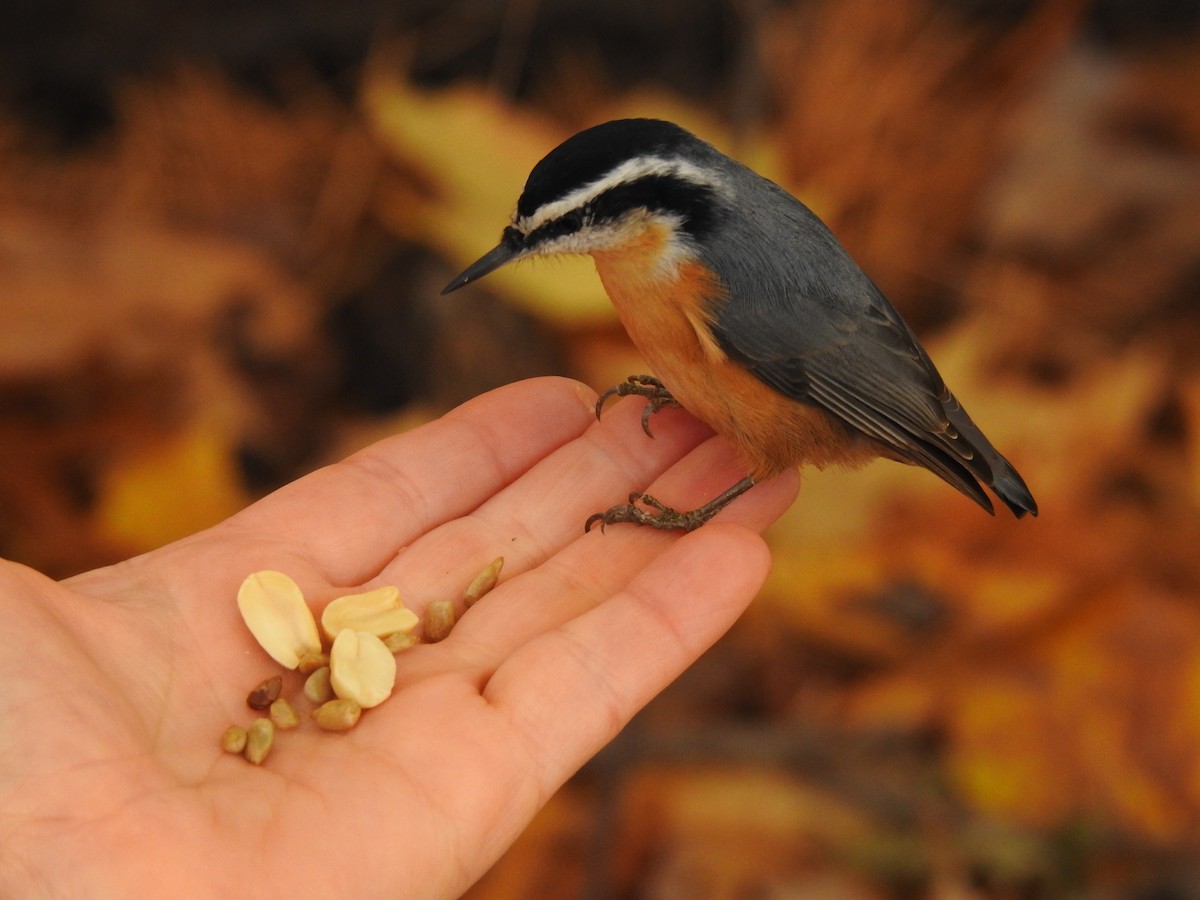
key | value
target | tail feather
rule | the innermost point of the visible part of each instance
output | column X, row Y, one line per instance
column 948, row 467
column 989, row 465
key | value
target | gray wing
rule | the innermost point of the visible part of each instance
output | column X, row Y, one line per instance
column 820, row 332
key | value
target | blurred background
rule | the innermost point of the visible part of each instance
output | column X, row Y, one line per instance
column 223, row 227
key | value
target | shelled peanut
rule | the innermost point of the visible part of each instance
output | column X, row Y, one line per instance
column 352, row 669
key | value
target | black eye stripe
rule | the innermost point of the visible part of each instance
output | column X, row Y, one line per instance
column 568, row 223
column 690, row 202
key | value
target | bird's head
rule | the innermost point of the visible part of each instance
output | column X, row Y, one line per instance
column 603, row 188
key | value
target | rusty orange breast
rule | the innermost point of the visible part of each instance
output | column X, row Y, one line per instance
column 668, row 300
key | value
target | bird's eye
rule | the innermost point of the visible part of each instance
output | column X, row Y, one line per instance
column 572, row 221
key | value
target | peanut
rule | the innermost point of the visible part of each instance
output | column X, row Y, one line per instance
column 276, row 614
column 361, row 668
column 439, row 619
column 317, row 687
column 260, row 737
column 399, row 640
column 310, row 662
column 337, row 715
column 483, row 582
column 379, row 612
column 265, row 693
column 283, row 715
column 234, row 739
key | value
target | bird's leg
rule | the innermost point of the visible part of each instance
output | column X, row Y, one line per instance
column 646, row 386
column 663, row 516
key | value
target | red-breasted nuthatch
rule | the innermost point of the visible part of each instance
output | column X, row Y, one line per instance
column 749, row 309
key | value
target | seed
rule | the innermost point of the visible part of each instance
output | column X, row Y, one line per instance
column 275, row 612
column 310, row 661
column 260, row 736
column 399, row 640
column 265, row 693
column 439, row 619
column 317, row 687
column 483, row 582
column 378, row 612
column 283, row 715
column 234, row 739
column 361, row 668
column 337, row 715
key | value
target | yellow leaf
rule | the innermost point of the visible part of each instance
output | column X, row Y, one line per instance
column 477, row 152
column 170, row 491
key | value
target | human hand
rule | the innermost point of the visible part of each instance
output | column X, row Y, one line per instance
column 118, row 683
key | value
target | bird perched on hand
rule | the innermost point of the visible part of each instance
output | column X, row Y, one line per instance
column 753, row 316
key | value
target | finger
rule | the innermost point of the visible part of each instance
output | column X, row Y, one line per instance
column 543, row 511
column 571, row 690
column 350, row 518
column 595, row 566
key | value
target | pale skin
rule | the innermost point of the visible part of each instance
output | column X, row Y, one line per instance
column 119, row 682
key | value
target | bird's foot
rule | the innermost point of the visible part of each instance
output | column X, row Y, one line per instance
column 659, row 515
column 663, row 517
column 646, row 386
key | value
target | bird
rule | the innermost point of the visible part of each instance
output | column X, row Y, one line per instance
column 751, row 314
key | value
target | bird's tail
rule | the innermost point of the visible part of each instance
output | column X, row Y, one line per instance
column 988, row 465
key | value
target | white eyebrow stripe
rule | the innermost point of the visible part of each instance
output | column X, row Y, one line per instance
column 630, row 170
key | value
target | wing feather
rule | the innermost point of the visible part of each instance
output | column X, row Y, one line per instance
column 800, row 315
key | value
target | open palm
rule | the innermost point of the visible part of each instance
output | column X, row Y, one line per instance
column 118, row 683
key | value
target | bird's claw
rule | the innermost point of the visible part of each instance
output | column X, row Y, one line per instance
column 664, row 517
column 646, row 386
column 659, row 516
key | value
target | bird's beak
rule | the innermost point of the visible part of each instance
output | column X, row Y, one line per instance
column 511, row 247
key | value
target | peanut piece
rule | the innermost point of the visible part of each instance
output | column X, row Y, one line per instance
column 317, row 687
column 310, row 662
column 379, row 612
column 483, row 582
column 361, row 668
column 283, row 715
column 276, row 614
column 399, row 640
column 260, row 737
column 439, row 619
column 234, row 739
column 265, row 693
column 337, row 715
